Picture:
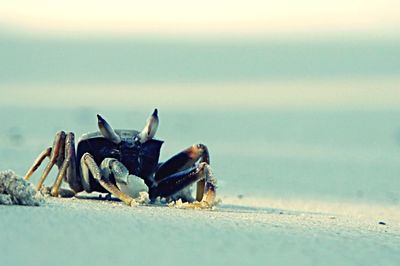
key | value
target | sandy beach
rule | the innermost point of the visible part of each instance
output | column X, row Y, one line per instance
column 239, row 232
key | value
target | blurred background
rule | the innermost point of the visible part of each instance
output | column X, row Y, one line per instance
column 295, row 99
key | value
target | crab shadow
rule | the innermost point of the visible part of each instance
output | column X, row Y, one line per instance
column 98, row 197
column 236, row 208
column 222, row 207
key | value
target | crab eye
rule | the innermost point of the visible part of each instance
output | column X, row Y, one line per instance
column 150, row 128
column 107, row 131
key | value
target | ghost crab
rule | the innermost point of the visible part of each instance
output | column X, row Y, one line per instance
column 124, row 163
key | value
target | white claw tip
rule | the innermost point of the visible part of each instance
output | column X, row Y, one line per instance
column 107, row 131
column 150, row 128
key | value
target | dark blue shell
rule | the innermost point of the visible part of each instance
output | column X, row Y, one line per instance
column 140, row 159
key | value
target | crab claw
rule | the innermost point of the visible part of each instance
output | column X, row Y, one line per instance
column 150, row 128
column 107, row 131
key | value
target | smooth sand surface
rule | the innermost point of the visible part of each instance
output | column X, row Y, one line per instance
column 241, row 231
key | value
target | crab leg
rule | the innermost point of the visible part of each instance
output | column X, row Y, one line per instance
column 183, row 161
column 69, row 152
column 58, row 146
column 90, row 165
column 72, row 175
column 57, row 183
column 38, row 162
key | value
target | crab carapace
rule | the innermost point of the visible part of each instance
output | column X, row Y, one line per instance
column 125, row 163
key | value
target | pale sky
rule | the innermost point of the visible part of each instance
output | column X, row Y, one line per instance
column 202, row 17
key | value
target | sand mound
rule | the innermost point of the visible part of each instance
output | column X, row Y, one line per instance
column 16, row 190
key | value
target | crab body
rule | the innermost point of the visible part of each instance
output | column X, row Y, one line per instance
column 125, row 163
column 140, row 160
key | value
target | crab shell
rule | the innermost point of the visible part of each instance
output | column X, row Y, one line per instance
column 141, row 159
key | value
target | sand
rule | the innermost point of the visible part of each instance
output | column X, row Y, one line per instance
column 245, row 231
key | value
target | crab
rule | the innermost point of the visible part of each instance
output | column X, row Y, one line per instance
column 125, row 163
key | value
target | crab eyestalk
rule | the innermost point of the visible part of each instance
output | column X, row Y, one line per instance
column 150, row 128
column 107, row 131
